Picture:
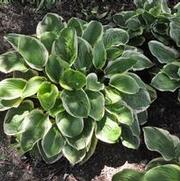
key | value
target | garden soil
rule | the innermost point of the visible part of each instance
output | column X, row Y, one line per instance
column 108, row 159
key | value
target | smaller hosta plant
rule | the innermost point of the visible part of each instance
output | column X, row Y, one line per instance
column 168, row 172
column 73, row 84
column 168, row 78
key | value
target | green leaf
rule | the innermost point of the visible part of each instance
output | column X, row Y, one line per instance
column 8, row 104
column 36, row 125
column 74, row 156
column 171, row 70
column 128, row 175
column 120, row 65
column 85, row 138
column 52, row 142
column 115, row 37
column 11, row 88
column 14, row 118
column 55, row 68
column 76, row 24
column 133, row 23
column 69, row 125
column 47, row 39
column 73, row 79
column 142, row 117
column 122, row 112
column 167, row 172
column 11, row 61
column 159, row 140
column 142, row 62
column 124, row 83
column 31, row 49
column 84, row 58
column 97, row 103
column 50, row 23
column 76, row 103
column 47, row 95
column 139, row 101
column 50, row 160
column 92, row 83
column 163, row 83
column 108, row 130
column 114, row 52
column 32, row 86
column 175, row 32
column 163, row 53
column 91, row 35
column 66, row 46
column 99, row 54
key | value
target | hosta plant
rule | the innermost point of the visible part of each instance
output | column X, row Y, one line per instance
column 168, row 172
column 73, row 84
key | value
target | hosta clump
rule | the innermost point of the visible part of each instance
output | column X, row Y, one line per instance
column 73, row 84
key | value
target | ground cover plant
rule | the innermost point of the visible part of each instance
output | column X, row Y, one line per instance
column 86, row 86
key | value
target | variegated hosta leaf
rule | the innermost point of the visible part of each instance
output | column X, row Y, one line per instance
column 66, row 46
column 57, row 108
column 175, row 32
column 47, row 95
column 93, row 32
column 163, row 83
column 84, row 58
column 122, row 112
column 169, row 172
column 85, row 138
column 142, row 62
column 124, row 83
column 48, row 160
column 73, row 79
column 51, row 23
column 128, row 175
column 108, row 130
column 32, row 86
column 120, row 65
column 142, row 117
column 74, row 156
column 114, row 52
column 171, row 70
column 69, row 125
column 52, row 142
column 76, row 103
column 14, row 118
column 76, row 24
column 163, row 53
column 133, row 23
column 92, row 83
column 12, row 61
column 11, row 88
column 55, row 68
column 31, row 49
column 99, row 54
column 114, row 37
column 97, row 103
column 35, row 124
column 47, row 38
column 8, row 104
column 160, row 140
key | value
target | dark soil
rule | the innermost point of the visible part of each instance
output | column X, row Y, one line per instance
column 108, row 159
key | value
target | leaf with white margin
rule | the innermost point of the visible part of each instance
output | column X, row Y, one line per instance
column 74, row 156
column 11, row 88
column 97, row 103
column 36, row 124
column 108, row 130
column 50, row 23
column 31, row 49
column 69, row 125
column 15, row 116
column 8, row 104
column 76, row 103
column 163, row 53
column 52, row 142
column 47, row 95
column 12, row 61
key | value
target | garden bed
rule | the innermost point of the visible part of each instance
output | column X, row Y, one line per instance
column 108, row 159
